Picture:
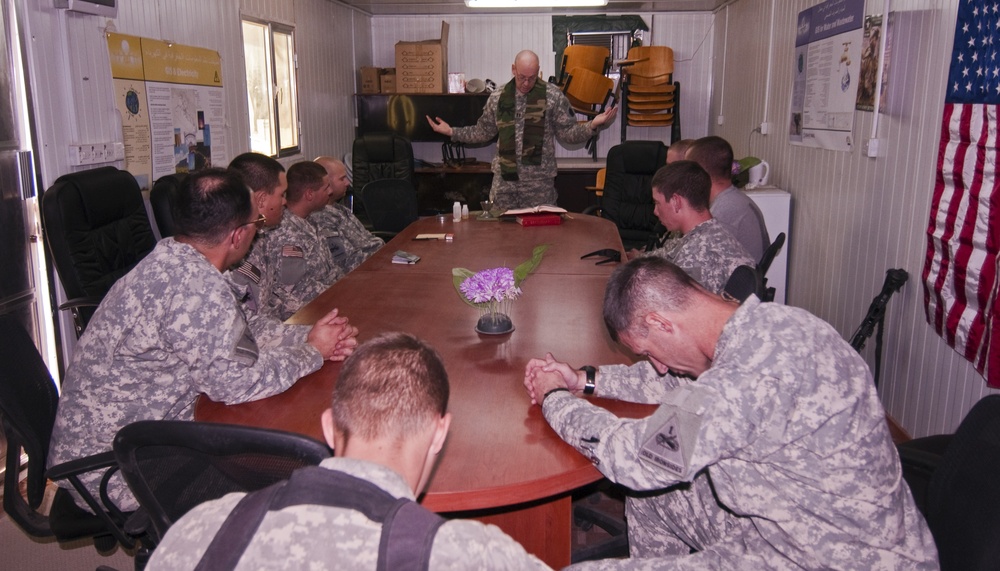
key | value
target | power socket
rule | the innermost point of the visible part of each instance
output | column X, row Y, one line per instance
column 720, row 120
column 765, row 127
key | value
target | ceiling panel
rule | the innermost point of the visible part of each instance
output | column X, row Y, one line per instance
column 424, row 7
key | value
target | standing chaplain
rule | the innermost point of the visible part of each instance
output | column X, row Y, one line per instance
column 527, row 115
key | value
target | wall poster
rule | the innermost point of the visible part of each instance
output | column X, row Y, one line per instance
column 171, row 102
column 828, row 44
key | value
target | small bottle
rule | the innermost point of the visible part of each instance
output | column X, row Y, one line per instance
column 456, row 212
column 465, row 212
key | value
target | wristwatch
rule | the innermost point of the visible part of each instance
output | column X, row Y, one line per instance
column 588, row 388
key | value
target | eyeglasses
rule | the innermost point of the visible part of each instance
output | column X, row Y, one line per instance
column 259, row 222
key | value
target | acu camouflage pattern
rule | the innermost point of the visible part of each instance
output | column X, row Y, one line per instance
column 350, row 243
column 167, row 331
column 319, row 537
column 708, row 253
column 536, row 184
column 297, row 263
column 795, row 442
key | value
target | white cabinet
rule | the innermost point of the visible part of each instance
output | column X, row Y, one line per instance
column 776, row 206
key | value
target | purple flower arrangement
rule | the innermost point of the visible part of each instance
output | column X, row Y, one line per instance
column 491, row 290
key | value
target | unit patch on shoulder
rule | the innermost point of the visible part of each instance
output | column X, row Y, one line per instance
column 663, row 447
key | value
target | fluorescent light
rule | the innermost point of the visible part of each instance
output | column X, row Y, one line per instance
column 533, row 3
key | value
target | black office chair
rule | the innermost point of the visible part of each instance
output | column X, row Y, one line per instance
column 628, row 193
column 954, row 481
column 376, row 156
column 765, row 264
column 743, row 282
column 97, row 230
column 28, row 402
column 391, row 205
column 172, row 466
column 160, row 197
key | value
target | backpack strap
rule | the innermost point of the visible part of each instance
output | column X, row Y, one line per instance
column 408, row 529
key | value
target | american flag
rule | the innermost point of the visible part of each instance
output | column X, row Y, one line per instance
column 963, row 235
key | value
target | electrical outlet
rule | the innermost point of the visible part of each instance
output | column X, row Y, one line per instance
column 720, row 120
column 871, row 148
column 95, row 153
column 765, row 127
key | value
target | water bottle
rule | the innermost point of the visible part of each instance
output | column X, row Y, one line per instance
column 456, row 212
column 465, row 212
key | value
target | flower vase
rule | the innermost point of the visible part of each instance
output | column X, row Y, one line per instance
column 494, row 324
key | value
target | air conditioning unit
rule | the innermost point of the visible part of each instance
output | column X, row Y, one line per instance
column 107, row 8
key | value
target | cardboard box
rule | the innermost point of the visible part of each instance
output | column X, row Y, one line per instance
column 387, row 81
column 422, row 67
column 369, row 80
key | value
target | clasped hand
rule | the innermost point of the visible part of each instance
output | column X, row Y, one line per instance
column 333, row 337
column 543, row 375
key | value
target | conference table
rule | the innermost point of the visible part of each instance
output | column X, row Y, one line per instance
column 502, row 463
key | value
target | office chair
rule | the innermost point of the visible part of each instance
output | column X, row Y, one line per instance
column 160, row 197
column 765, row 264
column 379, row 155
column 28, row 402
column 172, row 466
column 391, row 205
column 962, row 497
column 743, row 282
column 628, row 193
column 97, row 230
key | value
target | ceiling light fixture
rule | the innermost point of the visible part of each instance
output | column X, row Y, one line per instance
column 533, row 3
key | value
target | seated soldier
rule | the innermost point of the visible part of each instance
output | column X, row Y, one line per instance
column 707, row 251
column 387, row 424
column 172, row 328
column 349, row 241
column 293, row 257
column 269, row 183
column 765, row 402
column 730, row 205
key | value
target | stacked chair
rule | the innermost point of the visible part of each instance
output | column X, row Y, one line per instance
column 650, row 95
column 594, row 58
column 589, row 93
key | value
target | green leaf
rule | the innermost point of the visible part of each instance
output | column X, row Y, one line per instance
column 459, row 275
column 526, row 267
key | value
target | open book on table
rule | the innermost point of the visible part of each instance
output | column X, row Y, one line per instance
column 540, row 209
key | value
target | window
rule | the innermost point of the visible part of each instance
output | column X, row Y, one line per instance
column 272, row 95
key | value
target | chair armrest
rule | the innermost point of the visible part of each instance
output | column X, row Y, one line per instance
column 594, row 210
column 92, row 301
column 385, row 235
column 81, row 466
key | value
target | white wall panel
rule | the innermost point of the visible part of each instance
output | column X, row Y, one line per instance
column 855, row 217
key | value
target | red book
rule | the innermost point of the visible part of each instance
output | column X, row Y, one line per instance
column 539, row 219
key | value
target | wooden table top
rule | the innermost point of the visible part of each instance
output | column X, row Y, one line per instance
column 500, row 451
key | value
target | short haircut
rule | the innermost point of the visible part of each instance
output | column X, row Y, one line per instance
column 390, row 387
column 681, row 146
column 640, row 287
column 715, row 155
column 303, row 176
column 209, row 204
column 687, row 179
column 259, row 172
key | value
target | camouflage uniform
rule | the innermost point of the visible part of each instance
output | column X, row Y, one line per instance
column 320, row 537
column 167, row 331
column 789, row 427
column 349, row 241
column 709, row 253
column 740, row 214
column 536, row 184
column 296, row 260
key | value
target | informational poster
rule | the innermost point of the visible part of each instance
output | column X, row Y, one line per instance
column 171, row 102
column 828, row 44
column 875, row 33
